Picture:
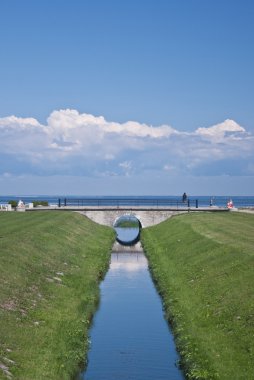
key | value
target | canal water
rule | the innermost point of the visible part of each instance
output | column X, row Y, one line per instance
column 130, row 339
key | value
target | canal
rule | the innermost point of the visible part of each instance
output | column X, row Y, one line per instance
column 130, row 338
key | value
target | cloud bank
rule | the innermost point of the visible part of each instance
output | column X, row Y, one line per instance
column 78, row 144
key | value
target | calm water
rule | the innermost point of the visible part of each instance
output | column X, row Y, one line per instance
column 127, row 235
column 130, row 338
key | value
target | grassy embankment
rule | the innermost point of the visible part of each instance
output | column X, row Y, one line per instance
column 203, row 264
column 51, row 265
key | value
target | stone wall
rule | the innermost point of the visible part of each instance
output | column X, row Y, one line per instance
column 146, row 218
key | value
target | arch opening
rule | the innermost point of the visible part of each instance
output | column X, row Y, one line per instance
column 127, row 229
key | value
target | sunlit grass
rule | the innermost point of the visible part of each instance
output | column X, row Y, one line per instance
column 51, row 265
column 203, row 264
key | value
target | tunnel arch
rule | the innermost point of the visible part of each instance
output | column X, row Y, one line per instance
column 127, row 234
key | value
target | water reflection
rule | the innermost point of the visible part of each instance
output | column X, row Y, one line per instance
column 127, row 235
column 127, row 228
column 130, row 338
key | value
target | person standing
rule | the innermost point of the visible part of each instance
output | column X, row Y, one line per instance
column 184, row 197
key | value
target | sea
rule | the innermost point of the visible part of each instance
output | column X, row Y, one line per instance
column 170, row 200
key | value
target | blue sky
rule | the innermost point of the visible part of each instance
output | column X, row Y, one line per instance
column 127, row 97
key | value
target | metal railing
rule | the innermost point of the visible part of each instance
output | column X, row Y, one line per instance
column 128, row 202
column 132, row 201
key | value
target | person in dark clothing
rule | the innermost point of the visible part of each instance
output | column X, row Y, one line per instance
column 184, row 197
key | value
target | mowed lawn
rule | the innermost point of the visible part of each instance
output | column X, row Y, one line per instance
column 51, row 264
column 203, row 264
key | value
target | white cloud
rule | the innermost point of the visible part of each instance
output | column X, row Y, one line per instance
column 219, row 131
column 134, row 129
column 12, row 122
column 83, row 144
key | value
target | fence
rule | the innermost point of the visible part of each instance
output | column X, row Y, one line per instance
column 132, row 201
column 129, row 202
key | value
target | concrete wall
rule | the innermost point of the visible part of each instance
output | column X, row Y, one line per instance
column 146, row 218
column 117, row 248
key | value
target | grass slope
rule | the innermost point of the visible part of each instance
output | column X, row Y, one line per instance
column 51, row 265
column 203, row 264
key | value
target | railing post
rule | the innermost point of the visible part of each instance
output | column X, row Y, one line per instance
column 59, row 202
column 65, row 201
column 196, row 203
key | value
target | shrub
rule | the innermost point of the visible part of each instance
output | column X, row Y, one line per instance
column 13, row 203
column 40, row 203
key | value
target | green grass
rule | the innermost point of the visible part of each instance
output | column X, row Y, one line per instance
column 51, row 266
column 127, row 223
column 203, row 265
